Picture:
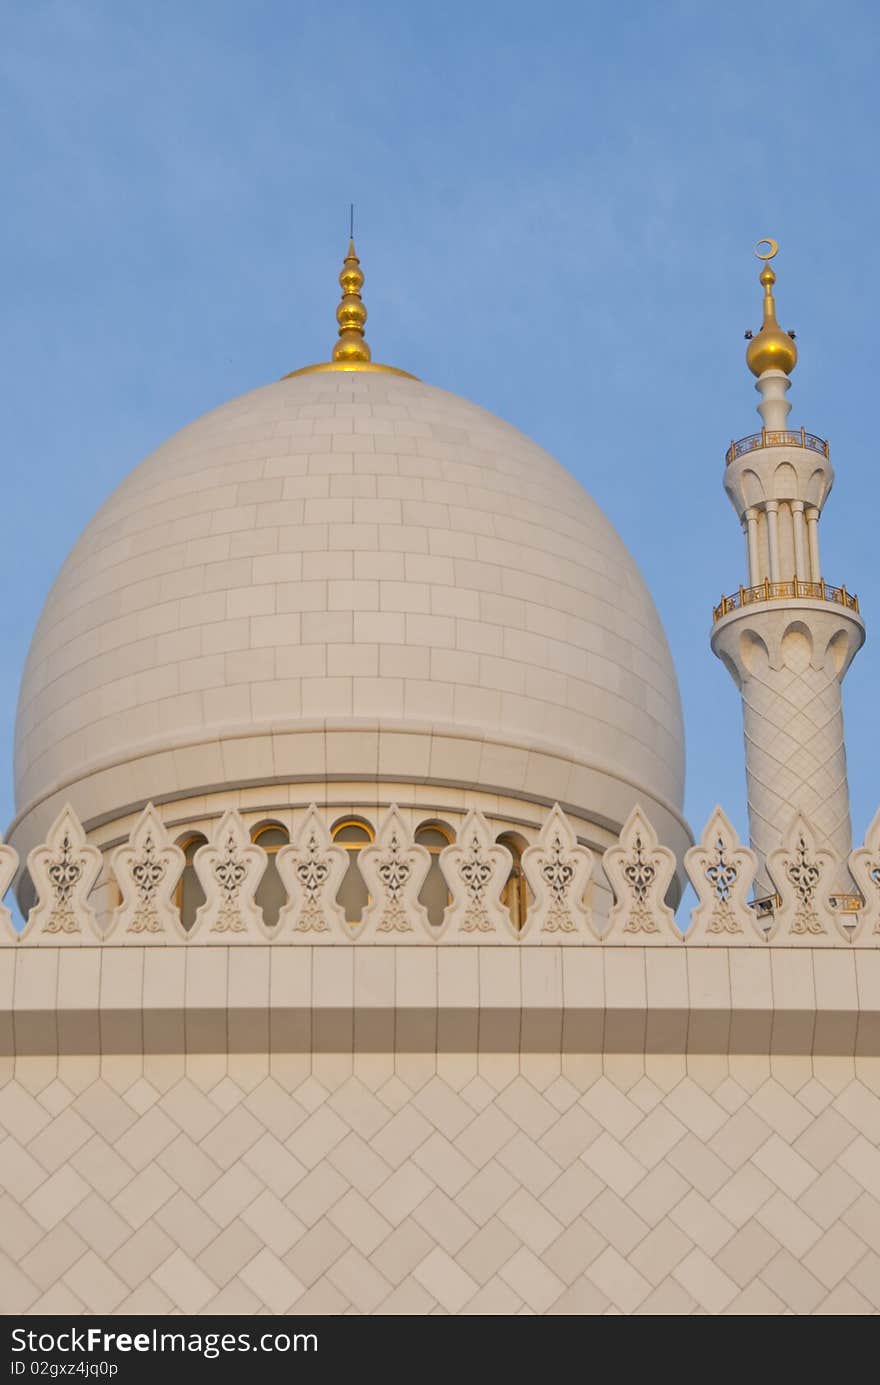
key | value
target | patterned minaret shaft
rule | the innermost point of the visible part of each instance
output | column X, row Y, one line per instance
column 787, row 636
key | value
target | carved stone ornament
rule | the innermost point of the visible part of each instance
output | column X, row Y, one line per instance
column 864, row 865
column 640, row 872
column 803, row 874
column 476, row 868
column 229, row 871
column 394, row 868
column 558, row 870
column 311, row 870
column 8, row 867
column 147, row 870
column 722, row 872
column 64, row 872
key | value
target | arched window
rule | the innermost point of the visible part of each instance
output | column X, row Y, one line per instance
column 516, row 894
column 435, row 892
column 189, row 896
column 270, row 895
column 354, row 834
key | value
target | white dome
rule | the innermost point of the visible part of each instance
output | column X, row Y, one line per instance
column 357, row 550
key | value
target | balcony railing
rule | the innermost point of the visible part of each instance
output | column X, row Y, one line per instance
column 785, row 591
column 777, row 437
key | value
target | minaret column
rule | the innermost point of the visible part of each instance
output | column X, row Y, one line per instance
column 751, row 526
column 787, row 649
column 788, row 661
column 774, row 408
column 800, row 548
column 812, row 517
column 772, row 510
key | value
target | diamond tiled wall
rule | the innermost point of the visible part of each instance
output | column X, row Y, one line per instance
column 450, row 1186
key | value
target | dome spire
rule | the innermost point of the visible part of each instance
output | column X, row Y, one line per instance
column 771, row 348
column 351, row 314
column 350, row 351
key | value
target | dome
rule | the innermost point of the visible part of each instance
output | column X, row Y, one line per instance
column 355, row 553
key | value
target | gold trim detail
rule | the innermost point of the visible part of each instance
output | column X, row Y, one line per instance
column 767, row 254
column 847, row 903
column 777, row 437
column 361, row 367
column 263, row 829
column 795, row 590
column 360, row 823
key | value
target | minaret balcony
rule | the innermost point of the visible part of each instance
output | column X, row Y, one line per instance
column 795, row 590
column 777, row 437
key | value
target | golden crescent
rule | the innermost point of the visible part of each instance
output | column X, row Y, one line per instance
column 774, row 248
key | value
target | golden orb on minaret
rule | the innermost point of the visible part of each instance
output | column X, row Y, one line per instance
column 771, row 348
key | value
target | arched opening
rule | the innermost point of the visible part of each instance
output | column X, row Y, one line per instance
column 189, row 895
column 106, row 893
column 754, row 653
column 516, row 894
column 27, row 894
column 105, row 897
column 838, row 649
column 434, row 894
column 270, row 893
column 353, row 834
column 797, row 647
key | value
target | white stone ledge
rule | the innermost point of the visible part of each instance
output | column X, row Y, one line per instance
column 613, row 999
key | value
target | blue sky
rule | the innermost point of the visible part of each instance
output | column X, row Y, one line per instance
column 556, row 207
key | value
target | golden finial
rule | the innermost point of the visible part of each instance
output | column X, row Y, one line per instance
column 351, row 313
column 771, row 348
column 351, row 351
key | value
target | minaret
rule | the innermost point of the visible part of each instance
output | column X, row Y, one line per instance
column 786, row 636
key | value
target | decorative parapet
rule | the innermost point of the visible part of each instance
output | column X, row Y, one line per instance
column 776, row 437
column 864, row 865
column 803, row 874
column 722, row 872
column 813, row 906
column 559, row 872
column 8, row 867
column 147, row 871
column 640, row 872
column 311, row 870
column 394, row 870
column 795, row 590
column 476, row 869
column 229, row 870
column 64, row 872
